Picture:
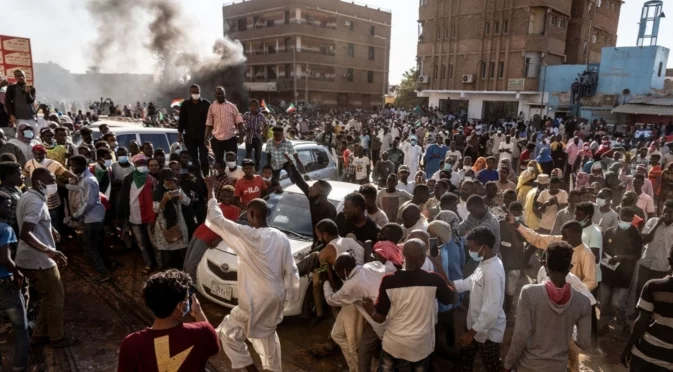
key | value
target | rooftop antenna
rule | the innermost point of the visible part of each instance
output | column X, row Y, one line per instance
column 649, row 23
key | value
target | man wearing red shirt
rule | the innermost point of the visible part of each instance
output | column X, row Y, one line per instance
column 250, row 186
column 170, row 344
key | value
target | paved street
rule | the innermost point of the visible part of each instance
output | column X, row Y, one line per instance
column 101, row 315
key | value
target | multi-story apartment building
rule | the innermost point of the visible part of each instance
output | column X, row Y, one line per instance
column 322, row 51
column 485, row 57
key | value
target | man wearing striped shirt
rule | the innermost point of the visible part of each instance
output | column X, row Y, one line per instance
column 223, row 124
column 255, row 125
column 650, row 347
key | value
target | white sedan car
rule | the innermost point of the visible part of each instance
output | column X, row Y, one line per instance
column 217, row 273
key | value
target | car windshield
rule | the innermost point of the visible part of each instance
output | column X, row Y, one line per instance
column 288, row 213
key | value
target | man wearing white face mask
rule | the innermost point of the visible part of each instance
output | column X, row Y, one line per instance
column 485, row 317
column 38, row 258
column 604, row 216
column 192, row 122
column 53, row 199
column 621, row 250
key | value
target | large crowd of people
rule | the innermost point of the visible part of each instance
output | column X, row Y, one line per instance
column 450, row 215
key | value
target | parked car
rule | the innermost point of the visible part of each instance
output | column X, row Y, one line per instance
column 316, row 158
column 161, row 138
column 217, row 273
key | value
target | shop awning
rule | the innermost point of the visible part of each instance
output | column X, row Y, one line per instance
column 636, row 109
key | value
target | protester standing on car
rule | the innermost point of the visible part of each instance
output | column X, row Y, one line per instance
column 255, row 125
column 267, row 278
column 224, row 126
column 276, row 149
column 192, row 122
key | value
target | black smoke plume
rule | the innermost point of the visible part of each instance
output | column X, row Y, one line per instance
column 121, row 21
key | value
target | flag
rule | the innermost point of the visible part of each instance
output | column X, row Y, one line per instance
column 177, row 102
column 265, row 108
column 291, row 109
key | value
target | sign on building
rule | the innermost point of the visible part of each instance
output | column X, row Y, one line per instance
column 516, row 84
column 15, row 54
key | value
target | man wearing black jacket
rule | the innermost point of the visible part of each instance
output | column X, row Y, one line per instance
column 192, row 122
column 19, row 100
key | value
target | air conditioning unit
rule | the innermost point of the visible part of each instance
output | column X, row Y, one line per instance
column 468, row 79
column 424, row 79
column 347, row 23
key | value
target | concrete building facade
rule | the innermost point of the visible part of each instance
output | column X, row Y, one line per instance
column 322, row 51
column 489, row 54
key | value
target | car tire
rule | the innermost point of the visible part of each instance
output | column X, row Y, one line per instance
column 308, row 306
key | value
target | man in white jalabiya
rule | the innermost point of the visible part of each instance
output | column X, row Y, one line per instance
column 267, row 277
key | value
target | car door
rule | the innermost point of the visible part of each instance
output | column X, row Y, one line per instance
column 159, row 140
column 323, row 170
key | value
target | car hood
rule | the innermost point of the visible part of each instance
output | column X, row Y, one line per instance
column 295, row 246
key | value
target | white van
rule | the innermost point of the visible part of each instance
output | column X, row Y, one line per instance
column 161, row 138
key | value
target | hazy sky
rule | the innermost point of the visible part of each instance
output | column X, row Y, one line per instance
column 62, row 31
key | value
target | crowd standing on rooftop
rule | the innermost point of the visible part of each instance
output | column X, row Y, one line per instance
column 449, row 216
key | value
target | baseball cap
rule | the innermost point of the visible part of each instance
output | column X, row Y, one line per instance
column 247, row 162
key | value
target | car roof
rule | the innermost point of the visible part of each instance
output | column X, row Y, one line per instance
column 298, row 144
column 338, row 193
column 119, row 129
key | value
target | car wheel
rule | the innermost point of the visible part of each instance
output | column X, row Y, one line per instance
column 308, row 306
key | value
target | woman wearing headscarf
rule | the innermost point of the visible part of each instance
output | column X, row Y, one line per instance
column 453, row 258
column 582, row 180
column 545, row 161
column 170, row 231
column 25, row 140
column 527, row 179
column 479, row 165
column 176, row 149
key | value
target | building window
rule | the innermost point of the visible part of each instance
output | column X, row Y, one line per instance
column 661, row 66
column 605, row 40
column 505, row 26
column 372, row 30
column 447, row 33
column 531, row 69
column 487, row 28
column 593, row 38
column 370, row 77
column 501, row 70
column 351, row 50
column 424, row 2
column 351, row 25
column 562, row 22
column 613, row 6
column 453, row 31
column 598, row 3
column 371, row 53
column 552, row 20
column 483, row 70
column 435, row 71
column 491, row 70
column 450, row 72
column 496, row 27
column 443, row 73
column 439, row 33
column 349, row 74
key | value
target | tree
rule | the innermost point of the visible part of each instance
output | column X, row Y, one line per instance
column 406, row 92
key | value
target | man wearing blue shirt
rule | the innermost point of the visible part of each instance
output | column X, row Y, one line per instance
column 488, row 174
column 11, row 300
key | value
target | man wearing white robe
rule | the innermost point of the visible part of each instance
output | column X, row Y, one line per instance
column 267, row 277
column 412, row 155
